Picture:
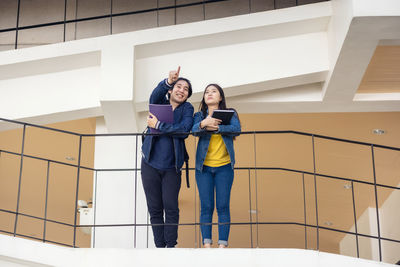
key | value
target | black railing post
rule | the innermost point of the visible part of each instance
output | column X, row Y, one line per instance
column 111, row 17
column 355, row 218
column 250, row 212
column 20, row 178
column 255, row 176
column 204, row 11
column 17, row 25
column 376, row 203
column 65, row 19
column 315, row 191
column 136, row 159
column 94, row 209
column 77, row 189
column 45, row 204
column 305, row 213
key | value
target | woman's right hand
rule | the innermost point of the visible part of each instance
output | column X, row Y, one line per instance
column 210, row 123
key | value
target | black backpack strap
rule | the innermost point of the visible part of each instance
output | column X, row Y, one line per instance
column 187, row 168
column 187, row 174
column 143, row 133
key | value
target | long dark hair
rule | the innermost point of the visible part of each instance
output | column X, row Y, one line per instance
column 221, row 105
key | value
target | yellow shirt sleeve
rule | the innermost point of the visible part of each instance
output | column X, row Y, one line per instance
column 217, row 155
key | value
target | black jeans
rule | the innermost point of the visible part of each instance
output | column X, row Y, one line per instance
column 162, row 190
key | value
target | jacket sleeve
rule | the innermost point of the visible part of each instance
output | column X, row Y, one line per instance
column 196, row 130
column 233, row 128
column 182, row 126
column 158, row 96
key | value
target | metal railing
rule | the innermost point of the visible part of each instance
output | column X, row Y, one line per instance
column 276, row 4
column 251, row 223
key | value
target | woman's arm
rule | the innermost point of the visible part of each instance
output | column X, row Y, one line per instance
column 233, row 128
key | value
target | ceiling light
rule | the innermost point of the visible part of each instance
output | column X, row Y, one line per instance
column 70, row 158
column 253, row 211
column 328, row 223
column 347, row 186
column 378, row 131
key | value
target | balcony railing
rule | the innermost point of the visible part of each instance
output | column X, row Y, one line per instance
column 255, row 174
column 107, row 17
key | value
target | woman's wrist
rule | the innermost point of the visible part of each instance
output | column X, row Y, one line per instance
column 202, row 126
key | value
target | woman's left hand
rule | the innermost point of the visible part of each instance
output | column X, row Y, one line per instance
column 212, row 128
column 152, row 120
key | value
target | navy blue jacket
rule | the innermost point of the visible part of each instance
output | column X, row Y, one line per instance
column 228, row 132
column 183, row 121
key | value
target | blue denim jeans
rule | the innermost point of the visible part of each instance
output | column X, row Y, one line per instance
column 218, row 180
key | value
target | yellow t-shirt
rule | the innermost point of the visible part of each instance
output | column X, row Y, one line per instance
column 217, row 155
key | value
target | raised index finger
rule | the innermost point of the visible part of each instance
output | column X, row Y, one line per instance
column 178, row 70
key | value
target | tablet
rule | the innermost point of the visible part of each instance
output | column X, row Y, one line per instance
column 164, row 113
column 224, row 115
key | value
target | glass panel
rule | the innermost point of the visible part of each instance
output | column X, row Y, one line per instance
column 87, row 152
column 389, row 217
column 53, row 145
column 280, row 197
column 335, row 204
column 92, row 8
column 7, row 222
column 8, row 14
column 134, row 22
column 71, row 10
column 186, row 236
column 9, row 179
column 30, row 227
column 166, row 3
column 387, row 166
column 40, row 36
column 244, row 151
column 305, row 2
column 91, row 28
column 61, row 196
column 60, row 233
column 284, row 151
column 40, row 11
column 228, row 8
column 83, row 234
column 11, row 137
column 239, row 237
column 329, row 241
column 7, row 40
column 348, row 245
column 309, row 188
column 284, row 3
column 390, row 252
column 281, row 236
column 121, row 6
column 261, row 5
column 369, row 248
column 189, row 14
column 343, row 159
column 33, row 187
column 166, row 17
column 311, row 233
column 364, row 196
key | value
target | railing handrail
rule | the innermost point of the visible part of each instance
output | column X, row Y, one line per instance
column 192, row 169
column 108, row 15
column 190, row 133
